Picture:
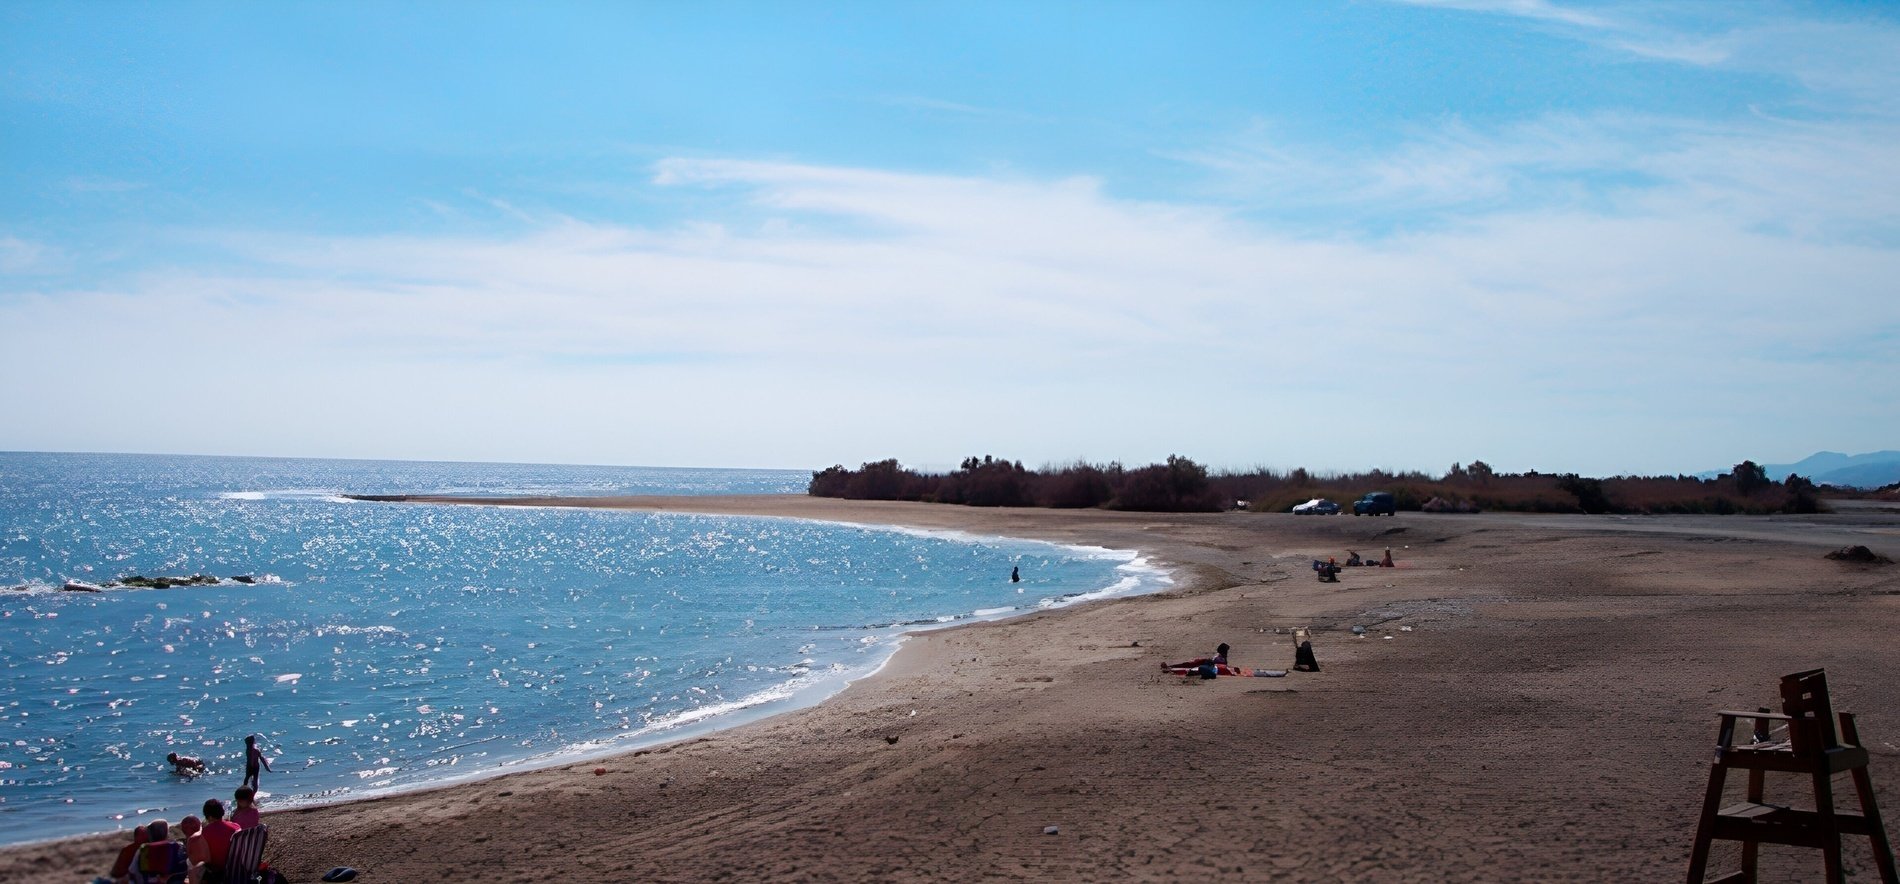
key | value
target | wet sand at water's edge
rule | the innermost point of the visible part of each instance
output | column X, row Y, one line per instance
column 1548, row 716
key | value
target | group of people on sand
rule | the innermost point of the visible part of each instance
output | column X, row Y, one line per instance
column 198, row 849
column 1211, row 666
column 195, row 851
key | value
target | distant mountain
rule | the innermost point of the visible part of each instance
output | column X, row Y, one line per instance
column 1871, row 470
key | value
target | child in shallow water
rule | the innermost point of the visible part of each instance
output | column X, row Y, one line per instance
column 253, row 757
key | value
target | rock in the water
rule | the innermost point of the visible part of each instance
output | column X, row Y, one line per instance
column 81, row 586
column 1859, row 554
column 244, row 578
column 142, row 582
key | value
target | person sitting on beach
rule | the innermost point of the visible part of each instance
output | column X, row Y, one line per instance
column 1219, row 659
column 122, row 867
column 212, row 846
column 186, row 765
column 1352, row 558
column 188, row 832
column 162, row 859
column 245, row 814
column 253, row 757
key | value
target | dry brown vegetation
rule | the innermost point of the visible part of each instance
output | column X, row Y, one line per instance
column 1181, row 485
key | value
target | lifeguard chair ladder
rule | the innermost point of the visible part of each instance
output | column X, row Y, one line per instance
column 1812, row 747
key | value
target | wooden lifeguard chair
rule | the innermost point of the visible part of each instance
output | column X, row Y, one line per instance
column 1813, row 748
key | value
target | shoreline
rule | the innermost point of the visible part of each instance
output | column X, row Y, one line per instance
column 783, row 699
column 970, row 734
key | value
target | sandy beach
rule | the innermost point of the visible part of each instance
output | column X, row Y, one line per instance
column 1534, row 700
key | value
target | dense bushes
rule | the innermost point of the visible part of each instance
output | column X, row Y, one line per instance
column 1181, row 485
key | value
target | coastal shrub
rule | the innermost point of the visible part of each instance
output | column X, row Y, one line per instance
column 1080, row 486
column 1749, row 478
column 988, row 482
column 1181, row 485
column 1589, row 492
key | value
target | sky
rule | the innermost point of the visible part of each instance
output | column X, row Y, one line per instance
column 1605, row 238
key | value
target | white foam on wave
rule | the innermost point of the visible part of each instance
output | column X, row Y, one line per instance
column 241, row 495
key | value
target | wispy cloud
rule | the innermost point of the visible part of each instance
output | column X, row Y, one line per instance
column 102, row 184
column 1031, row 310
column 938, row 105
column 24, row 256
column 1814, row 178
column 1536, row 10
column 1847, row 58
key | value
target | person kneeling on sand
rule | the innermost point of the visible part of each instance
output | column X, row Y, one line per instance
column 1219, row 659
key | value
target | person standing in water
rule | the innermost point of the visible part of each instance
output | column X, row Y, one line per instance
column 253, row 758
column 1016, row 575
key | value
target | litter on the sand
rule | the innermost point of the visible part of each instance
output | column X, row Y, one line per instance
column 1359, row 630
column 1405, row 629
column 1051, row 830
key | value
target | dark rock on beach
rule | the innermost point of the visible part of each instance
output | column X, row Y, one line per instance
column 245, row 579
column 1859, row 555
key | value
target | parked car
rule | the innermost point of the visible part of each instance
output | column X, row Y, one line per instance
column 1318, row 506
column 1376, row 503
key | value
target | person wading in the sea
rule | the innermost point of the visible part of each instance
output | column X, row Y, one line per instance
column 253, row 757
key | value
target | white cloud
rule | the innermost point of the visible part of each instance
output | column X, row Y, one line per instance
column 1537, row 10
column 102, row 184
column 1850, row 60
column 24, row 256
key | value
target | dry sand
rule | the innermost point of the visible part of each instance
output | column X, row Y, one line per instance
column 1549, row 717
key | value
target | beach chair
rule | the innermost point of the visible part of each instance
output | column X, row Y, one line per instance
column 247, row 853
column 1814, row 749
column 159, row 862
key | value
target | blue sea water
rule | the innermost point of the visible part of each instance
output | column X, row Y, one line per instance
column 392, row 646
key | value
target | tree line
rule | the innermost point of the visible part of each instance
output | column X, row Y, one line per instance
column 1181, row 485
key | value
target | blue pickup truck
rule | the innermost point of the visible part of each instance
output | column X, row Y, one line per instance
column 1376, row 503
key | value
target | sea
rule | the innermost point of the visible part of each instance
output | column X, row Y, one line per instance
column 378, row 647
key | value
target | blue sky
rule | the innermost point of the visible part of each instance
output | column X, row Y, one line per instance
column 1597, row 237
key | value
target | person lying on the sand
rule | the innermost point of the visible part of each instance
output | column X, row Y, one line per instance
column 1219, row 659
column 186, row 765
